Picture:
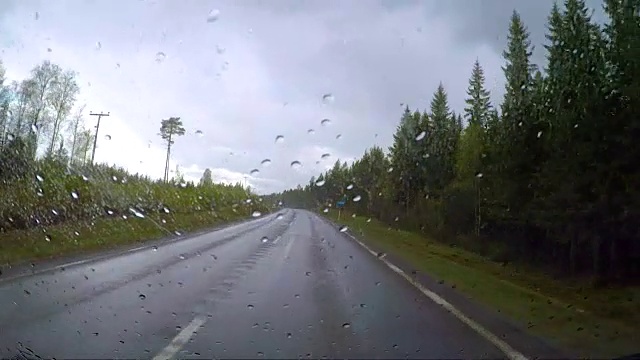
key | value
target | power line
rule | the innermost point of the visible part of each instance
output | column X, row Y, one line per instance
column 95, row 139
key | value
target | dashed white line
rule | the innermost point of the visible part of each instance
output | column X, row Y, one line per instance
column 181, row 339
column 510, row 352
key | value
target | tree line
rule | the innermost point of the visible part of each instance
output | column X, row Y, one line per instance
column 46, row 174
column 549, row 176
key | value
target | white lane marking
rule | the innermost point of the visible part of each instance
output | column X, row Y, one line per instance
column 181, row 339
column 138, row 248
column 511, row 353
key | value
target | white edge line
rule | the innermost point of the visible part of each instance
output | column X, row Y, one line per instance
column 180, row 340
column 511, row 353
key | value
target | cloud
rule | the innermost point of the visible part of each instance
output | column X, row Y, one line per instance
column 259, row 71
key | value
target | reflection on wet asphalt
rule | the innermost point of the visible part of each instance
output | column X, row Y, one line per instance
column 273, row 287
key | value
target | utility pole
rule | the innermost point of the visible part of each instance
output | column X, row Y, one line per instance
column 95, row 139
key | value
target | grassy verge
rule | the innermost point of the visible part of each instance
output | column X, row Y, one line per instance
column 105, row 233
column 601, row 322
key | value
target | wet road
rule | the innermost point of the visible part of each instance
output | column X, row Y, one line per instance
column 284, row 286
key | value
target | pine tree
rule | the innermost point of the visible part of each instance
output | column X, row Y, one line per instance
column 478, row 100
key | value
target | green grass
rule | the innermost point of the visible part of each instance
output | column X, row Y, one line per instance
column 593, row 322
column 105, row 233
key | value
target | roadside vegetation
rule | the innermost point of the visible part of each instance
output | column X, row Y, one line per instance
column 55, row 201
column 540, row 190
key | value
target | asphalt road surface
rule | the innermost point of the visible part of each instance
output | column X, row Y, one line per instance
column 286, row 285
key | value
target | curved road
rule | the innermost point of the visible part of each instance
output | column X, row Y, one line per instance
column 282, row 286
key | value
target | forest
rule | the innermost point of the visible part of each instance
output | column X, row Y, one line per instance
column 548, row 177
column 55, row 200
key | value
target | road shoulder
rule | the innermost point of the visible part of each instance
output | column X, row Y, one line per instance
column 496, row 323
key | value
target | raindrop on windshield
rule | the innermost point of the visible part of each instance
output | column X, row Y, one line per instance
column 254, row 172
column 350, row 186
column 279, row 139
column 320, row 182
column 346, row 325
column 421, row 136
column 338, row 137
column 264, row 239
column 479, row 175
column 98, row 45
column 213, row 15
column 39, row 178
column 326, row 210
column 256, row 214
column 74, row 195
column 250, row 306
column 142, row 296
column 325, row 156
column 47, row 237
column 279, row 217
column 107, row 137
column 344, row 228
column 327, row 98
column 296, row 164
column 357, row 198
column 199, row 133
column 220, row 50
column 325, row 122
column 265, row 162
column 311, row 131
column 36, row 15
column 539, row 134
column 160, row 56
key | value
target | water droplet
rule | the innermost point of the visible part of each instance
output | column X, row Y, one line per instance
column 327, row 98
column 54, row 212
column 136, row 213
column 369, row 220
column 308, row 273
column 279, row 217
column 256, row 214
column 114, row 178
column 254, row 172
column 213, row 15
column 47, row 237
column 381, row 254
column 311, row 131
column 98, row 45
column 421, row 136
column 479, row 175
column 344, row 228
column 109, row 212
column 539, row 134
column 10, row 137
column 390, row 169
column 326, row 210
column 250, row 306
column 339, row 136
column 325, row 122
column 39, row 178
column 177, row 232
column 289, row 335
column 265, row 162
column 357, row 198
column 142, row 296
column 220, row 50
column 27, row 292
column 279, row 139
column 36, row 15
column 296, row 164
column 264, row 239
column 154, row 248
column 346, row 325
column 199, row 133
column 320, row 182
column 350, row 186
column 160, row 56
column 49, row 50
column 74, row 195
column 325, row 156
column 85, row 178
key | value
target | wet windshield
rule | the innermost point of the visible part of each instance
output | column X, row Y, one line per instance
column 338, row 179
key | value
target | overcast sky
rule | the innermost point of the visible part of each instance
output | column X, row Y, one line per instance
column 244, row 72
